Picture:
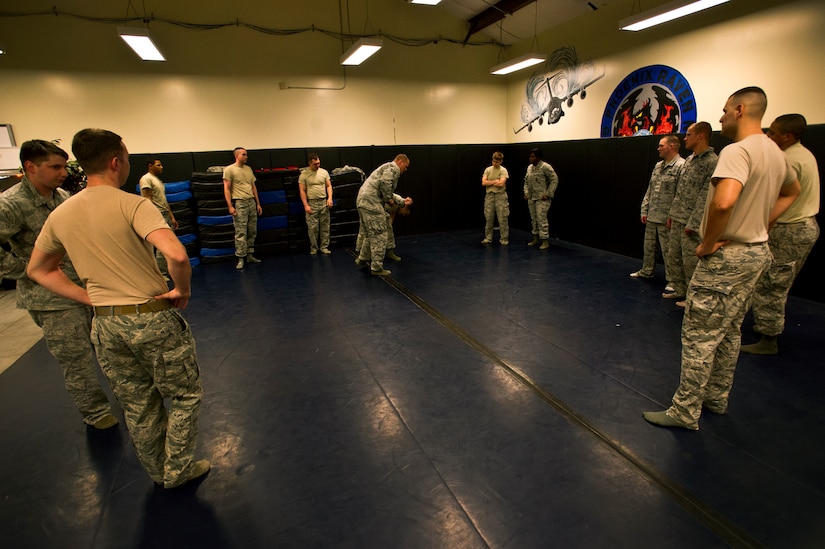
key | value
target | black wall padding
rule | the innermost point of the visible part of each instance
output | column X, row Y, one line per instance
column 602, row 182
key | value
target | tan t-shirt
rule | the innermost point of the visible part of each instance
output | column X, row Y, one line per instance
column 315, row 182
column 104, row 231
column 492, row 173
column 804, row 165
column 153, row 182
column 762, row 169
column 242, row 178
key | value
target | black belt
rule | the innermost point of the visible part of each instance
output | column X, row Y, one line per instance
column 148, row 307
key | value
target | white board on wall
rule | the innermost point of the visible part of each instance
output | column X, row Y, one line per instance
column 6, row 136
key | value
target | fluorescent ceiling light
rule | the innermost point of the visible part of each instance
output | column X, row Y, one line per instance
column 361, row 50
column 519, row 63
column 665, row 13
column 424, row 2
column 2, row 50
column 140, row 41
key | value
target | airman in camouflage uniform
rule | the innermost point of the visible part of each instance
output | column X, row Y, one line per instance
column 540, row 183
column 496, row 205
column 378, row 190
column 751, row 186
column 65, row 323
column 392, row 209
column 691, row 191
column 144, row 345
column 656, row 204
column 152, row 187
column 241, row 194
column 315, row 188
column 791, row 239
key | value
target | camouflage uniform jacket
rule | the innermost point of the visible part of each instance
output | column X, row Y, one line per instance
column 23, row 211
column 540, row 180
column 662, row 188
column 692, row 187
column 379, row 188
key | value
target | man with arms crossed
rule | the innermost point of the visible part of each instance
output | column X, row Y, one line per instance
column 494, row 180
column 751, row 186
column 143, row 344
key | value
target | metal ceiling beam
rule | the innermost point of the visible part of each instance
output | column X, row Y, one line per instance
column 494, row 14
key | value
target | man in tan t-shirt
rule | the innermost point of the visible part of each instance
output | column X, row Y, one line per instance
column 152, row 187
column 241, row 195
column 750, row 188
column 143, row 344
column 315, row 188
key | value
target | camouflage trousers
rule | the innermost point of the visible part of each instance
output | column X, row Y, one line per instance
column 318, row 224
column 496, row 205
column 790, row 244
column 359, row 240
column 159, row 257
column 246, row 226
column 656, row 238
column 67, row 337
column 391, row 209
column 718, row 297
column 374, row 244
column 538, row 217
column 680, row 259
column 150, row 357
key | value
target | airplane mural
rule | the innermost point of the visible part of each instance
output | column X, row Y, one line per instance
column 556, row 85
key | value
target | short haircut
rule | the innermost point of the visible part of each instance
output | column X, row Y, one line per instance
column 94, row 148
column 538, row 153
column 38, row 151
column 792, row 123
column 702, row 128
column 755, row 97
column 498, row 156
column 152, row 162
column 672, row 140
column 236, row 149
column 312, row 156
column 402, row 157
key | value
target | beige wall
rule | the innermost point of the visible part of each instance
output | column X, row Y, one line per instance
column 195, row 113
column 780, row 50
column 166, row 108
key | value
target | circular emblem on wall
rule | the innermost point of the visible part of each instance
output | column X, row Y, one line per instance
column 652, row 100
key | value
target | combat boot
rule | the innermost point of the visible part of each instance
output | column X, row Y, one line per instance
column 765, row 346
column 544, row 245
column 239, row 266
column 535, row 241
column 391, row 255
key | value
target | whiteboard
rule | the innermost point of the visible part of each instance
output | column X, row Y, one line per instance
column 9, row 159
column 6, row 136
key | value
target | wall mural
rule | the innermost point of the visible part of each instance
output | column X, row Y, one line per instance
column 560, row 79
column 652, row 100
